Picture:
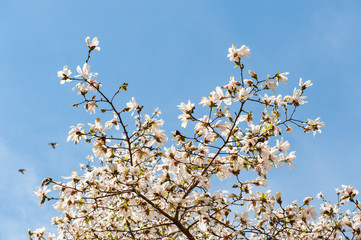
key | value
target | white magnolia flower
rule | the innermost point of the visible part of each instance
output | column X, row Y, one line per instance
column 282, row 146
column 64, row 75
column 186, row 108
column 76, row 133
column 282, row 77
column 271, row 84
column 90, row 106
column 314, row 125
column 297, row 98
column 305, row 85
column 236, row 54
column 243, row 94
column 84, row 72
column 92, row 45
column 41, row 192
column 132, row 105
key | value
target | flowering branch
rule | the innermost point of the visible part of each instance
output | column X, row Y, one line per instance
column 143, row 190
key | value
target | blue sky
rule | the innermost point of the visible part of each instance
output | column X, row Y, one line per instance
column 169, row 52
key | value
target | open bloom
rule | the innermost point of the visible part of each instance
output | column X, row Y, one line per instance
column 132, row 105
column 314, row 125
column 297, row 98
column 184, row 118
column 282, row 146
column 271, row 84
column 76, row 133
column 64, row 75
column 41, row 192
column 92, row 45
column 90, row 106
column 243, row 94
column 236, row 54
column 84, row 72
column 282, row 77
column 306, row 84
column 186, row 108
column 232, row 85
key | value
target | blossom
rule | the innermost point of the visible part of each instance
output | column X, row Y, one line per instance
column 97, row 127
column 159, row 137
column 201, row 127
column 41, row 192
column 76, row 133
column 297, row 98
column 84, row 72
column 349, row 192
column 310, row 212
column 64, row 75
column 248, row 118
column 113, row 122
column 314, row 125
column 132, row 105
column 220, row 96
column 92, row 45
column 232, row 85
column 305, row 85
column 184, row 118
column 271, row 84
column 156, row 112
column 282, row 77
column 186, row 108
column 243, row 94
column 82, row 89
column 243, row 219
column 319, row 195
column 282, row 146
column 205, row 102
column 100, row 149
column 267, row 100
column 236, row 54
column 278, row 101
column 90, row 106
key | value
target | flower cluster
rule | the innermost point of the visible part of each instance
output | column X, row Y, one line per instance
column 143, row 190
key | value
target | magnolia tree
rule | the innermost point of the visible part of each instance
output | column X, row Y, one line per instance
column 140, row 189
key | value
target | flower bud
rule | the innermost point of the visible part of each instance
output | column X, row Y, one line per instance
column 289, row 129
column 278, row 197
column 248, row 81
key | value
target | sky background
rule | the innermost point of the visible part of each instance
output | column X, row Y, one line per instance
column 169, row 52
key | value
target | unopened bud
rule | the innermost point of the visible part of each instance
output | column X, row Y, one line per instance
column 253, row 74
column 278, row 197
column 248, row 81
column 289, row 129
column 307, row 200
column 287, row 98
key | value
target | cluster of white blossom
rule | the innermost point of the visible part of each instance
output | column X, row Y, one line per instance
column 143, row 190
